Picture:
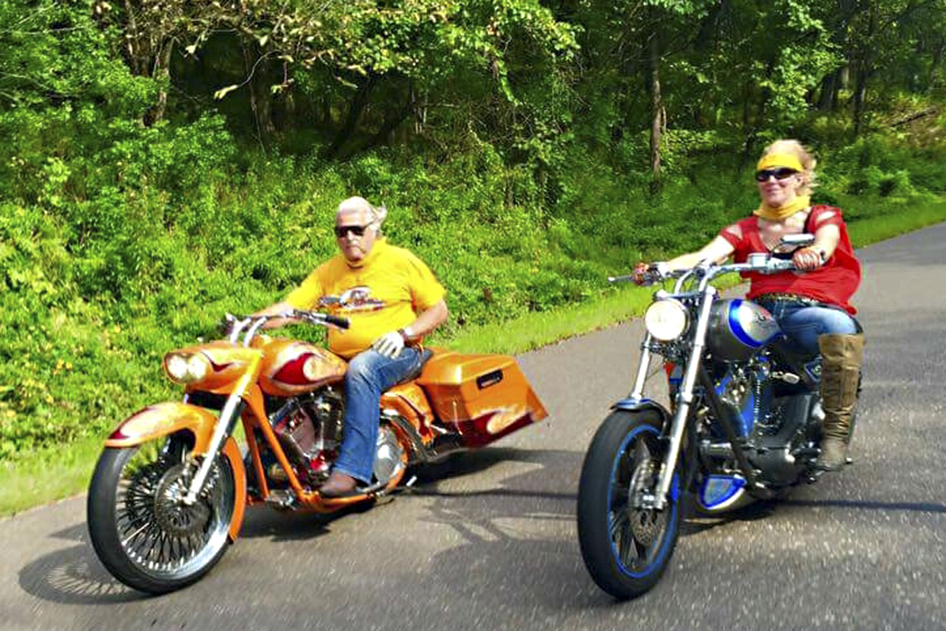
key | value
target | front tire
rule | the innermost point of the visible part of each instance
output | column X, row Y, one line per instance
column 141, row 531
column 625, row 546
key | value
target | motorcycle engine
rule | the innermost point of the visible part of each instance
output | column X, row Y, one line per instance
column 743, row 388
column 309, row 429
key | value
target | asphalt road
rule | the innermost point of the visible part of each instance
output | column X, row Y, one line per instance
column 491, row 543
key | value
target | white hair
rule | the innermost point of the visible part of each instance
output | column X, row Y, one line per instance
column 377, row 213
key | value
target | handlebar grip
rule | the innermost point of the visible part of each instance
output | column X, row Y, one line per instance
column 341, row 323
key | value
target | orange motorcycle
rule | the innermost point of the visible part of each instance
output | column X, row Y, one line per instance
column 170, row 488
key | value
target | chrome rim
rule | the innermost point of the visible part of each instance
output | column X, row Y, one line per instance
column 637, row 534
column 159, row 534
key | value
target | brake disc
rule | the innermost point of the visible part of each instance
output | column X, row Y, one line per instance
column 171, row 513
column 646, row 524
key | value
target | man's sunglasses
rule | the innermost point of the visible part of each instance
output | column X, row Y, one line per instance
column 358, row 231
column 781, row 173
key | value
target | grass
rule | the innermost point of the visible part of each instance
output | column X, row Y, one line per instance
column 534, row 330
column 876, row 229
column 47, row 475
column 54, row 474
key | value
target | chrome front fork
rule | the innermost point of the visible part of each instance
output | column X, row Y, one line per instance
column 221, row 431
column 684, row 401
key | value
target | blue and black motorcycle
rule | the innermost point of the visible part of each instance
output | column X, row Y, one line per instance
column 744, row 423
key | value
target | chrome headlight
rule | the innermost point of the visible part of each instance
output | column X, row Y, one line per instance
column 185, row 368
column 666, row 319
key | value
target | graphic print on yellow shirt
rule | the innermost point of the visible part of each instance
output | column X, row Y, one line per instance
column 382, row 294
column 358, row 299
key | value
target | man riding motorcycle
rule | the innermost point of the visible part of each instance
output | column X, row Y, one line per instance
column 393, row 301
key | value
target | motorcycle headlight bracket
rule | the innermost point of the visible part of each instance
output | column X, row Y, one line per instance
column 666, row 319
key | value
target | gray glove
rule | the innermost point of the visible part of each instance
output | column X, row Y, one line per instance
column 390, row 344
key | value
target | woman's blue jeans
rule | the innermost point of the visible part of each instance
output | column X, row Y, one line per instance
column 803, row 323
column 369, row 375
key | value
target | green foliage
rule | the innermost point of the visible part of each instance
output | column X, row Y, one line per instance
column 508, row 138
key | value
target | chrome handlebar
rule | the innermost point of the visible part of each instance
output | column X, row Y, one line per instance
column 252, row 324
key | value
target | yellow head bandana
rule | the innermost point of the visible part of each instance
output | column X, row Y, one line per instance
column 779, row 160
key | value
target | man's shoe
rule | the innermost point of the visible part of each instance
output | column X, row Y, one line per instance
column 339, row 485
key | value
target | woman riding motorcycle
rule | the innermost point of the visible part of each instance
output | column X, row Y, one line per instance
column 812, row 306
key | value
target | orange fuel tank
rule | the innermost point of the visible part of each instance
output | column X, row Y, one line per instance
column 291, row 367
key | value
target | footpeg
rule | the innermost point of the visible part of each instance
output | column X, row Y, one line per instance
column 281, row 499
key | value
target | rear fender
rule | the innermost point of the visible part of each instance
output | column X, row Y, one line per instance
column 409, row 402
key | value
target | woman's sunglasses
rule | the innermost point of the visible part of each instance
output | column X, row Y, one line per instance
column 781, row 173
column 358, row 231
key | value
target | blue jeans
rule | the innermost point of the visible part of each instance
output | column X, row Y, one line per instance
column 803, row 323
column 369, row 374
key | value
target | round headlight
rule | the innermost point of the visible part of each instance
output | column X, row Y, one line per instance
column 197, row 368
column 666, row 319
column 176, row 365
column 184, row 368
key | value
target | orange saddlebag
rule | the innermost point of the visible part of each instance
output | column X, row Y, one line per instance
column 482, row 397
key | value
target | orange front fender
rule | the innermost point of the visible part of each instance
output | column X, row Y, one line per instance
column 232, row 452
column 164, row 419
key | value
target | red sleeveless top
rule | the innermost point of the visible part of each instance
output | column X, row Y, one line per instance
column 833, row 283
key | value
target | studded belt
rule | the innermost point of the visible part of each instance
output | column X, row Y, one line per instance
column 779, row 297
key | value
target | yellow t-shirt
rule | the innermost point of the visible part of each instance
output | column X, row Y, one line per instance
column 385, row 292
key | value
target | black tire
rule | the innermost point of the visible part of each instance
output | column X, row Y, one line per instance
column 626, row 550
column 143, row 537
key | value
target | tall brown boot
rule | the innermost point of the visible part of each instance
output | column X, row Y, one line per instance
column 841, row 358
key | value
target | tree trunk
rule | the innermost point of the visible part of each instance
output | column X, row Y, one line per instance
column 133, row 41
column 162, row 74
column 392, row 121
column 355, row 109
column 860, row 93
column 830, row 85
column 935, row 66
column 863, row 70
column 657, row 115
column 260, row 104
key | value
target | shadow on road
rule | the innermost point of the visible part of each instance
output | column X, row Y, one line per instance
column 290, row 526
column 517, row 540
column 520, row 537
column 913, row 507
column 429, row 477
column 74, row 576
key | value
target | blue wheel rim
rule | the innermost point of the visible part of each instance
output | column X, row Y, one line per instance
column 635, row 558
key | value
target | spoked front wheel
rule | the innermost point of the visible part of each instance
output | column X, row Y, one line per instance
column 625, row 543
column 141, row 529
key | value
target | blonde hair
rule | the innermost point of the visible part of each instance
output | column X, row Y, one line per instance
column 808, row 162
